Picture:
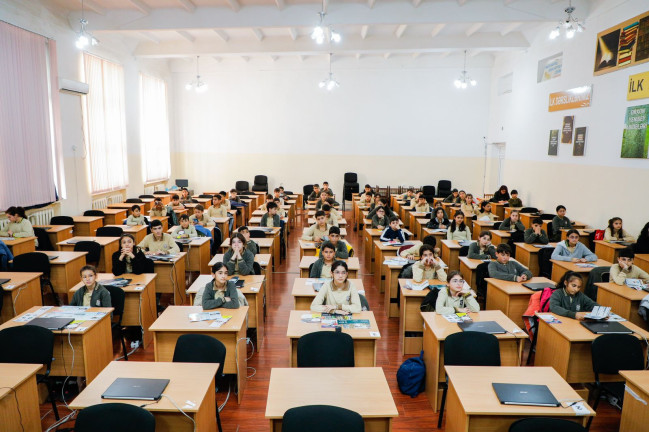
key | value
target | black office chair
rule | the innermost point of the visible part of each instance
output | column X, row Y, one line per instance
column 306, row 191
column 464, row 251
column 146, row 196
column 429, row 192
column 44, row 242
column 444, row 188
column 160, row 192
column 529, row 210
column 350, row 186
column 242, row 186
column 61, row 220
column 612, row 353
column 260, row 184
column 255, row 233
column 481, row 273
column 93, row 249
column 94, row 213
column 36, row 262
column 110, row 231
column 545, row 424
column 468, row 349
column 515, row 237
column 217, row 239
column 321, row 418
column 110, row 417
column 545, row 265
column 206, row 196
column 33, row 345
column 547, row 216
column 195, row 348
column 117, row 301
column 256, row 268
column 325, row 349
column 134, row 201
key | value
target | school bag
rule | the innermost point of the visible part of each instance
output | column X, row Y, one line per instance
column 545, row 299
column 428, row 304
column 411, row 376
column 599, row 234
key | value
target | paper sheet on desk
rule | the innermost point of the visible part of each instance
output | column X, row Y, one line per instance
column 220, row 321
column 417, row 286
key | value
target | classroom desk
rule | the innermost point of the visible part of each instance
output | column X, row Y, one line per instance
column 468, row 268
column 437, row 329
column 65, row 269
column 20, row 245
column 499, row 209
column 412, row 221
column 254, row 290
column 391, row 291
column 163, row 219
column 353, row 265
column 381, row 253
column 579, row 226
column 369, row 235
column 365, row 391
column 511, row 297
column 567, row 348
column 224, row 225
column 22, row 292
column 304, row 294
column 58, row 233
column 87, row 225
column 124, row 207
column 109, row 245
column 439, row 235
column 114, row 216
column 146, row 205
column 608, row 251
column 92, row 342
column 139, row 301
column 174, row 322
column 642, row 261
column 559, row 268
column 364, row 342
column 307, row 248
column 187, row 381
column 171, row 277
column 451, row 254
column 479, row 226
column 420, row 224
column 264, row 261
column 584, row 236
column 403, row 214
column 499, row 236
column 19, row 407
column 197, row 256
column 635, row 414
column 528, row 255
column 472, row 404
column 623, row 300
column 508, row 211
column 137, row 231
column 411, row 324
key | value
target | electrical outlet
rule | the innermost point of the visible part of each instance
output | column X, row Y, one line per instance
column 135, row 344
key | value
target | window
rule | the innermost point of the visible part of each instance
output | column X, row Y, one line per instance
column 154, row 129
column 105, row 126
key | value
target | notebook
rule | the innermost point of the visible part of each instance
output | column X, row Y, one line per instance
column 606, row 327
column 538, row 286
column 491, row 327
column 136, row 388
column 51, row 323
column 525, row 394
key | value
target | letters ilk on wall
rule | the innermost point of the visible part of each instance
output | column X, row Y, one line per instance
column 638, row 86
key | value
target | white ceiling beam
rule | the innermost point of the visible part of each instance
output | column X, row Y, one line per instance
column 364, row 31
column 370, row 3
column 292, row 32
column 416, row 3
column 474, row 28
column 280, row 4
column 185, row 34
column 510, row 28
column 234, row 5
column 150, row 37
column 222, row 34
column 400, row 29
column 141, row 6
column 93, row 7
column 438, row 28
column 187, row 5
column 258, row 34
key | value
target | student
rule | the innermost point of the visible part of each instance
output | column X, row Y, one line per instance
column 130, row 258
column 234, row 196
column 315, row 194
column 380, row 220
column 19, row 226
column 467, row 206
column 573, row 250
column 412, row 253
column 339, row 295
column 383, row 203
column 512, row 223
column 238, row 259
column 158, row 208
column 438, row 205
column 375, row 202
column 458, row 229
column 185, row 229
column 367, row 200
column 269, row 199
column 559, row 222
column 158, row 242
column 482, row 249
column 135, row 218
column 615, row 232
column 321, row 268
column 515, row 201
column 92, row 293
column 271, row 218
column 568, row 300
column 393, row 233
column 319, row 229
column 184, row 196
column 642, row 245
column 535, row 234
column 324, row 199
column 225, row 201
column 462, row 196
column 454, row 299
column 277, row 194
column 368, row 191
column 501, row 195
column 282, row 193
column 251, row 245
column 325, row 188
column 200, row 218
column 624, row 269
column 422, row 205
column 453, row 198
column 217, row 209
column 439, row 221
column 331, row 215
column 221, row 292
column 428, row 266
column 409, row 195
column 506, row 269
column 175, row 202
column 280, row 211
column 342, row 247
column 485, row 212
column 415, row 200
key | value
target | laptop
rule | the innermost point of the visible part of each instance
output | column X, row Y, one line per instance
column 4, row 281
column 136, row 388
column 538, row 286
column 606, row 327
column 52, row 257
column 525, row 394
column 491, row 327
column 51, row 323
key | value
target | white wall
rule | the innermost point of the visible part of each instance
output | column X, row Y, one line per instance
column 600, row 184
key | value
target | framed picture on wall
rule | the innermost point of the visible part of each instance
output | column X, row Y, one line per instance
column 623, row 45
column 580, row 141
column 634, row 138
column 553, row 142
column 566, row 130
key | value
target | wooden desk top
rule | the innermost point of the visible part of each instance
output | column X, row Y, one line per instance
column 136, row 281
column 417, row 293
column 365, row 390
column 81, row 329
column 572, row 330
column 473, row 385
column 297, row 328
column 261, row 259
column 343, row 231
column 14, row 374
column 502, row 233
column 531, row 248
column 639, row 378
column 379, row 244
column 175, row 319
column 571, row 266
column 55, row 228
column 187, row 381
column 86, row 219
column 442, row 328
column 612, row 245
column 129, row 228
column 174, row 259
column 472, row 264
column 250, row 282
column 353, row 263
column 122, row 205
column 113, row 211
column 306, row 244
column 18, row 240
column 513, row 288
column 17, row 279
column 452, row 244
column 274, row 230
column 103, row 241
column 63, row 257
column 622, row 291
column 485, row 223
column 262, row 242
column 301, row 289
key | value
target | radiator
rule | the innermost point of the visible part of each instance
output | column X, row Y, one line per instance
column 3, row 223
column 116, row 198
column 41, row 217
column 100, row 203
column 149, row 190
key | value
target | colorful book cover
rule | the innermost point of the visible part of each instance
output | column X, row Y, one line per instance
column 627, row 41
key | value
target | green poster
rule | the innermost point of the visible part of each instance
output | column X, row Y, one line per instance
column 635, row 140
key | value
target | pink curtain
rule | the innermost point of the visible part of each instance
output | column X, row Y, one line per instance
column 26, row 167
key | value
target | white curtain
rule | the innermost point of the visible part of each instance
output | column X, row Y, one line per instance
column 154, row 129
column 105, row 125
column 27, row 130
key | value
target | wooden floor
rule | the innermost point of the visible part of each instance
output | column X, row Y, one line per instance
column 415, row 414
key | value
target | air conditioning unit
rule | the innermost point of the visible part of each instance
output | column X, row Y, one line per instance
column 73, row 87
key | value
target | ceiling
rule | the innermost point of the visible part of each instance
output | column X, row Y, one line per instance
column 277, row 28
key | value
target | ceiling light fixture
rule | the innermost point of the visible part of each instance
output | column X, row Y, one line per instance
column 571, row 25
column 198, row 86
column 464, row 79
column 322, row 31
column 330, row 83
column 84, row 38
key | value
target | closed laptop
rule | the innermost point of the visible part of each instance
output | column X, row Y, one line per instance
column 51, row 323
column 538, row 286
column 606, row 327
column 136, row 388
column 525, row 394
column 491, row 327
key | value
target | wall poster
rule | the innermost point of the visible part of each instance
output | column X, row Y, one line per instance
column 553, row 142
column 580, row 141
column 566, row 130
column 634, row 138
column 623, row 45
column 549, row 68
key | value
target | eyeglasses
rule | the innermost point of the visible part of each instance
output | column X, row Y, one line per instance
column 340, row 272
column 457, row 281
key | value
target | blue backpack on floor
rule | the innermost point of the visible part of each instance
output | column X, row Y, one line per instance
column 411, row 376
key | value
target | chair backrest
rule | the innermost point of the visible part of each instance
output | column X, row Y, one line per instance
column 255, row 233
column 444, row 185
column 547, row 216
column 117, row 300
column 261, row 180
column 242, row 185
column 615, row 352
column 545, row 424
column 110, row 417
column 321, row 418
column 32, row 262
column 134, row 201
column 94, row 213
column 93, row 249
column 196, row 348
column 206, row 196
column 27, row 344
column 61, row 220
column 464, row 251
column 256, row 268
column 545, row 265
column 529, row 210
column 428, row 190
column 146, row 196
column 217, row 239
column 44, row 242
column 471, row 349
column 325, row 349
column 160, row 192
column 351, row 177
column 109, row 232
column 306, row 190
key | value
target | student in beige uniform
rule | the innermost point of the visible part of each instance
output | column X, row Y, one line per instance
column 185, row 229
column 269, row 199
column 422, row 205
column 280, row 211
column 428, row 267
column 485, row 212
column 467, row 206
column 91, row 294
column 277, row 193
column 338, row 295
column 331, row 215
column 175, row 202
column 158, row 242
column 318, row 230
column 458, row 229
column 19, row 226
column 368, row 191
column 271, row 219
column 615, row 232
column 624, row 269
column 412, row 253
column 218, row 209
column 135, row 218
column 158, row 208
column 200, row 218
column 454, row 298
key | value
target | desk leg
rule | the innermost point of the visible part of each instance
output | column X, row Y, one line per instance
column 432, row 357
column 456, row 418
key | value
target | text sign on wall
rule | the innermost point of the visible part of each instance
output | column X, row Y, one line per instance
column 638, row 86
column 574, row 98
